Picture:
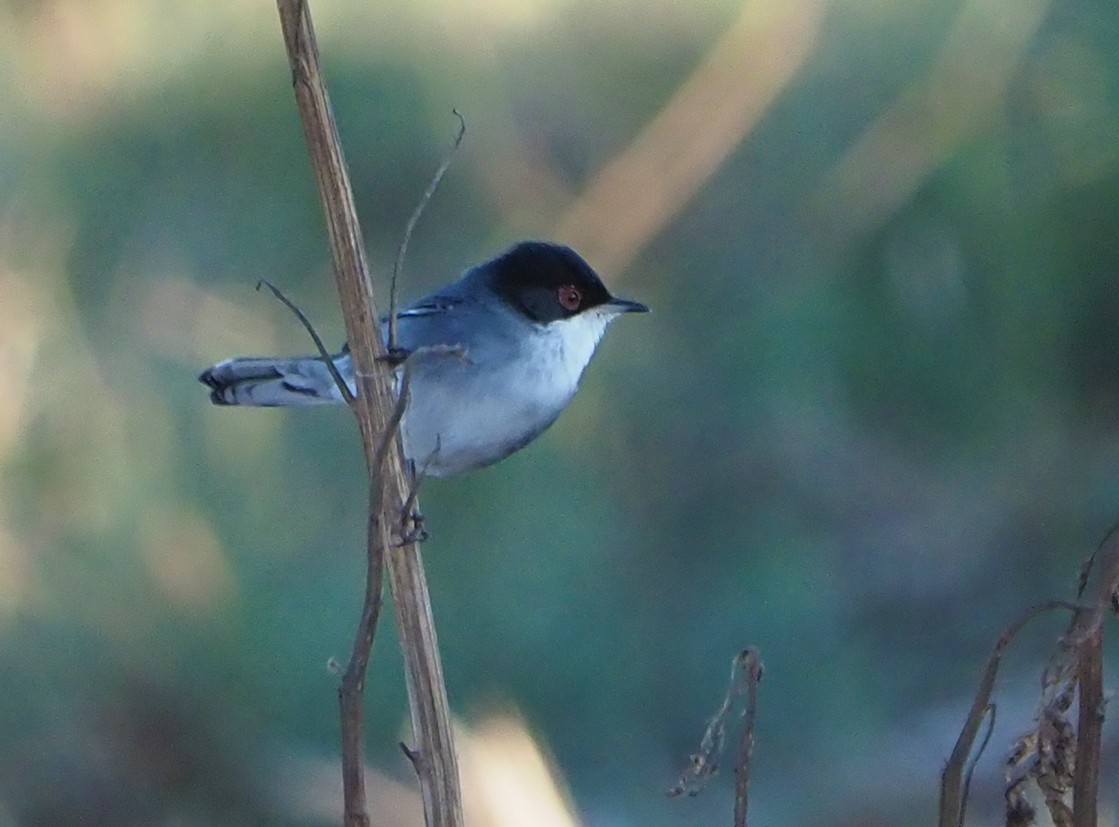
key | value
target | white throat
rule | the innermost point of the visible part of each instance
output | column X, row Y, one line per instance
column 564, row 347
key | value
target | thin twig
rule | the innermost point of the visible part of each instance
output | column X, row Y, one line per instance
column 752, row 668
column 990, row 713
column 1086, row 781
column 951, row 781
column 412, row 756
column 351, row 688
column 1086, row 566
column 745, row 672
column 388, row 435
column 402, row 250
column 705, row 763
column 324, row 354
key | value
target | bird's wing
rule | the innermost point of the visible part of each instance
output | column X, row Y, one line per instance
column 429, row 306
column 444, row 318
column 425, row 322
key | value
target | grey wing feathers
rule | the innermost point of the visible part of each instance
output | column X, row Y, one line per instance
column 431, row 306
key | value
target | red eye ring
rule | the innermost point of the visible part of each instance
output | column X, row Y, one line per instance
column 569, row 297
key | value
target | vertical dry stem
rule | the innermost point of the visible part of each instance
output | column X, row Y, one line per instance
column 746, row 672
column 1086, row 639
column 753, row 669
column 1086, row 781
column 435, row 762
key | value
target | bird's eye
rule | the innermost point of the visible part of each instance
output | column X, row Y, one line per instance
column 570, row 297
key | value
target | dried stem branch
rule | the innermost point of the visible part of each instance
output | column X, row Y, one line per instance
column 324, row 354
column 374, row 408
column 1056, row 757
column 952, row 780
column 990, row 713
column 1085, row 639
column 402, row 251
column 745, row 673
column 752, row 667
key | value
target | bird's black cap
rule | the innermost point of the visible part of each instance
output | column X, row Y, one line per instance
column 548, row 282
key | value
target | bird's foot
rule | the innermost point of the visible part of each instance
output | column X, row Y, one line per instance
column 412, row 528
column 395, row 356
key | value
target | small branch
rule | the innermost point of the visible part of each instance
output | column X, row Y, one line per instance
column 388, row 437
column 990, row 714
column 412, row 756
column 1057, row 757
column 951, row 781
column 705, row 763
column 1086, row 567
column 351, row 688
column 1085, row 640
column 1063, row 760
column 753, row 670
column 324, row 354
column 745, row 673
column 402, row 251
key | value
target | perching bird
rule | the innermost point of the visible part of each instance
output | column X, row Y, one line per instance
column 521, row 328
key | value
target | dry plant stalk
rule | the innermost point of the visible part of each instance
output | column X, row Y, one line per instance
column 1089, row 729
column 745, row 674
column 1063, row 761
column 391, row 544
column 953, row 779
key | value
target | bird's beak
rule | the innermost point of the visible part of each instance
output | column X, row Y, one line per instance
column 626, row 306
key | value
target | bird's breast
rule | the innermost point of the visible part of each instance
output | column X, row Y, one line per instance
column 471, row 412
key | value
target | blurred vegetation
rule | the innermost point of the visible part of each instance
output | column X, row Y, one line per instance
column 872, row 417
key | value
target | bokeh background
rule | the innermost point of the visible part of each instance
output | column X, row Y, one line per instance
column 872, row 417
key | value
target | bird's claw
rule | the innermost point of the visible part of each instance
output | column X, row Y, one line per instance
column 412, row 528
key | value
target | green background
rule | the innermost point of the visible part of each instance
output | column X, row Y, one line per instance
column 871, row 419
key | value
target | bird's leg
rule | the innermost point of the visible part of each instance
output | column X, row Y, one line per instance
column 412, row 527
column 411, row 520
column 395, row 356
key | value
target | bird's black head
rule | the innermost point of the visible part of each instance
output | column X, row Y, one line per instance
column 548, row 282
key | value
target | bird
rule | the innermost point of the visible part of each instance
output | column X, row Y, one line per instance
column 493, row 358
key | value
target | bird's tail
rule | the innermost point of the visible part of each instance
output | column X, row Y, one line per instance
column 272, row 382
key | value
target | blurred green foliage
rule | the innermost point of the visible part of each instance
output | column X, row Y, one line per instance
column 862, row 444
